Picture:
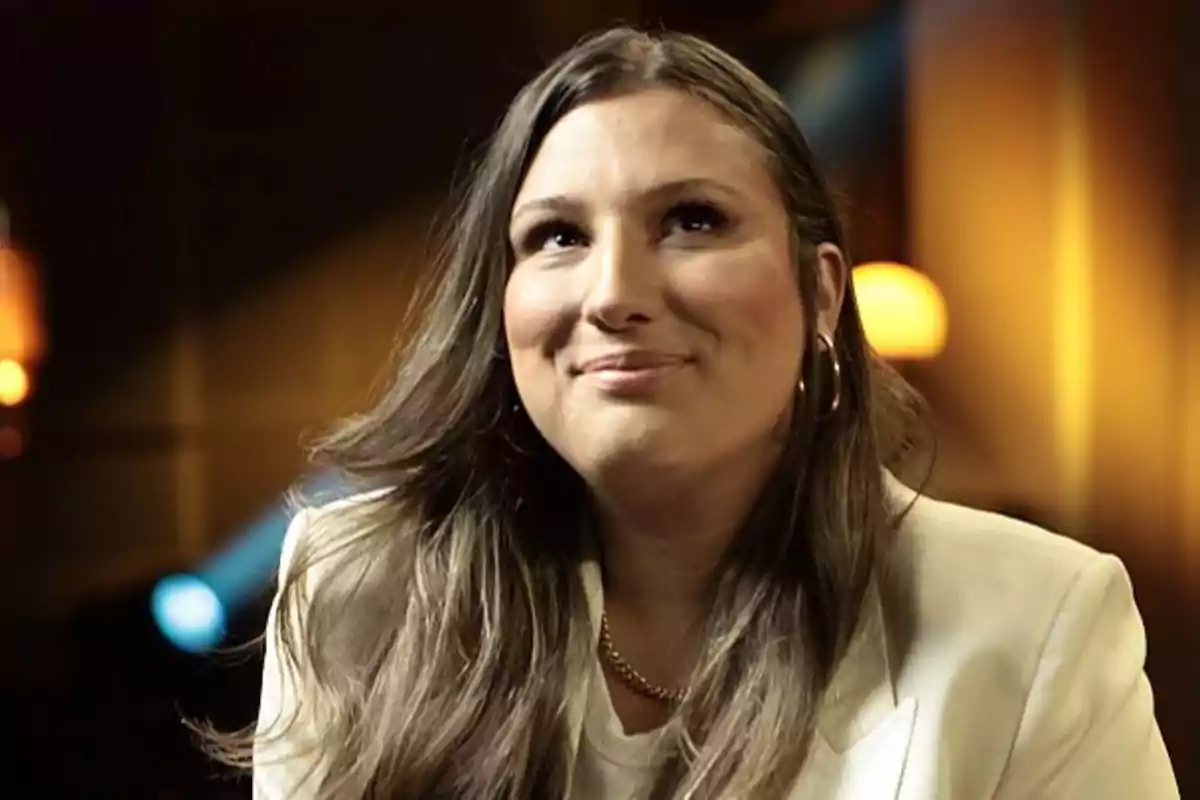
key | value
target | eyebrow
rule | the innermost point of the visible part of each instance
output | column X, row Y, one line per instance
column 565, row 204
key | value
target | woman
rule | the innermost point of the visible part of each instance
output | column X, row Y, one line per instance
column 626, row 527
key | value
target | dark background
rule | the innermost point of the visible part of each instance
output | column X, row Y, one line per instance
column 228, row 204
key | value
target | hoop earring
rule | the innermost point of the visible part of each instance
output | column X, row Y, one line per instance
column 835, row 374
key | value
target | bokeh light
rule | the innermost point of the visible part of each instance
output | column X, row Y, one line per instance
column 188, row 612
column 14, row 383
column 902, row 310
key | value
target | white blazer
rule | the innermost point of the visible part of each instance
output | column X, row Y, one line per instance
column 1012, row 670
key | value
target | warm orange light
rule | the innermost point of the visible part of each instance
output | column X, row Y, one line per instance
column 903, row 312
column 14, row 383
column 21, row 336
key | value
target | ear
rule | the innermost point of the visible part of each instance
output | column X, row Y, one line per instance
column 832, row 274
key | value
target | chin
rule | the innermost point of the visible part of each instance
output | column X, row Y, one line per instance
column 633, row 448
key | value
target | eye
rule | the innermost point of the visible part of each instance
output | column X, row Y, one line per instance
column 694, row 217
column 552, row 235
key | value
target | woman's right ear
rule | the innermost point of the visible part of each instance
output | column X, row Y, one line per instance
column 832, row 275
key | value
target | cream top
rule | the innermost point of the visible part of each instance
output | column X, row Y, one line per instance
column 611, row 764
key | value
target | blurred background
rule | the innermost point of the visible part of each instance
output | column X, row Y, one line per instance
column 216, row 213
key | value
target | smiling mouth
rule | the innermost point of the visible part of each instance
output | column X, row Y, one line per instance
column 632, row 374
column 631, row 361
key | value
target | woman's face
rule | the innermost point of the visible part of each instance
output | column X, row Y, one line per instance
column 653, row 315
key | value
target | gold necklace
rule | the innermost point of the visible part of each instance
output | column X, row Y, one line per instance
column 630, row 676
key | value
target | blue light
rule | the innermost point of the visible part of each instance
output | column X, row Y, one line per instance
column 188, row 612
column 192, row 610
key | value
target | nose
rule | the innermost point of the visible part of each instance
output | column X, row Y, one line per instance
column 624, row 290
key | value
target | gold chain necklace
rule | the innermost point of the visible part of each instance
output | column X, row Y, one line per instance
column 630, row 676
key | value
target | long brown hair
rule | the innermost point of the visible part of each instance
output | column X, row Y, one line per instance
column 435, row 630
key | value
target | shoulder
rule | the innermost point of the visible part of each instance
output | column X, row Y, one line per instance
column 972, row 559
column 285, row 764
column 1034, row 632
column 997, row 598
column 986, row 580
column 317, row 526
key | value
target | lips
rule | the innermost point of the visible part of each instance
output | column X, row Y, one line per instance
column 631, row 361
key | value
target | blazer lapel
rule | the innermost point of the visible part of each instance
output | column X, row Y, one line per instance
column 863, row 733
column 870, row 769
column 577, row 706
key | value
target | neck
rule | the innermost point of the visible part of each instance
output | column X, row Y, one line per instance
column 663, row 536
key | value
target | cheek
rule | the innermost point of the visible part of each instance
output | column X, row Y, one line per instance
column 753, row 307
column 530, row 311
column 535, row 314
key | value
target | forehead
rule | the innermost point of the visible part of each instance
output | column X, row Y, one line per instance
column 633, row 142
